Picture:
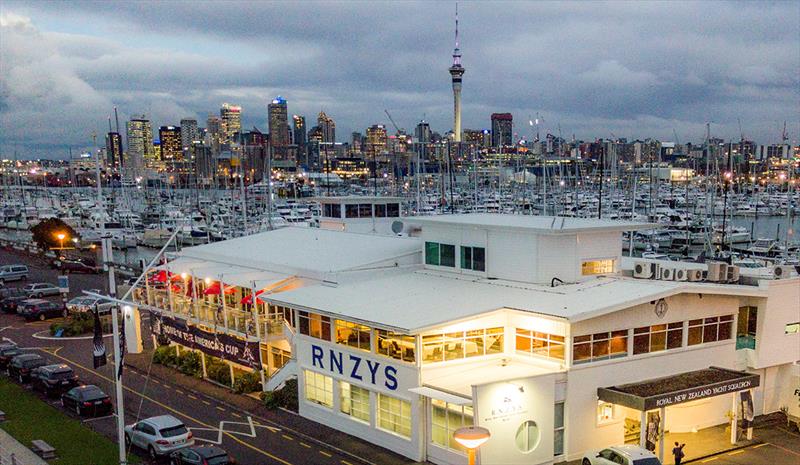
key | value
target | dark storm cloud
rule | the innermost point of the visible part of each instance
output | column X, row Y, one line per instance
column 634, row 69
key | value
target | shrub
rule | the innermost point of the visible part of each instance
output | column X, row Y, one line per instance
column 189, row 363
column 165, row 355
column 247, row 382
column 77, row 324
column 285, row 397
column 218, row 371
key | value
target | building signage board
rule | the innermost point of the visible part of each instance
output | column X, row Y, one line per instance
column 219, row 345
column 702, row 392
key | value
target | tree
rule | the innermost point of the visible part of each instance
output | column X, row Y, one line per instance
column 46, row 233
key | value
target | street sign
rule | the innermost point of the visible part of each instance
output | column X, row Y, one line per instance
column 63, row 284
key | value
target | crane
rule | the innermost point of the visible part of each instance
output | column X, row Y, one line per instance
column 393, row 123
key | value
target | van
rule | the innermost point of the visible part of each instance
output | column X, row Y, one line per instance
column 13, row 273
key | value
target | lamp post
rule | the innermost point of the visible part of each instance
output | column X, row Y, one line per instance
column 61, row 237
column 471, row 437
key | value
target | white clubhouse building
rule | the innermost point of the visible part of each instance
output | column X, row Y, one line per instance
column 533, row 327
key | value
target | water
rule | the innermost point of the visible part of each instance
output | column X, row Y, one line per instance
column 770, row 226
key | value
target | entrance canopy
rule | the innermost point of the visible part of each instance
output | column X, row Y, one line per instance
column 677, row 389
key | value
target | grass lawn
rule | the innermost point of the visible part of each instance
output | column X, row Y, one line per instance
column 29, row 418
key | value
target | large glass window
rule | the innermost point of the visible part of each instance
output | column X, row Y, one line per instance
column 354, row 401
column 319, row 388
column 592, row 267
column 394, row 415
column 440, row 254
column 558, row 429
column 315, row 325
column 446, row 418
column 332, row 210
column 746, row 326
column 473, row 258
column 600, row 346
column 397, row 346
column 541, row 344
column 657, row 338
column 280, row 357
column 712, row 329
column 353, row 334
column 462, row 344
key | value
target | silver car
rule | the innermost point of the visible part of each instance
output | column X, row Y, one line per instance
column 159, row 436
column 87, row 304
column 13, row 273
column 41, row 289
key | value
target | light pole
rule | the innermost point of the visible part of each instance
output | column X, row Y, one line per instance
column 60, row 237
column 471, row 437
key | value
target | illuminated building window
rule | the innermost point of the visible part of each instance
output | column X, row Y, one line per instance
column 440, row 254
column 605, row 412
column 473, row 258
column 280, row 357
column 315, row 325
column 710, row 329
column 462, row 344
column 353, row 335
column 792, row 328
column 394, row 415
column 746, row 326
column 446, row 418
column 354, row 401
column 397, row 346
column 542, row 344
column 599, row 346
column 319, row 388
column 657, row 337
column 593, row 267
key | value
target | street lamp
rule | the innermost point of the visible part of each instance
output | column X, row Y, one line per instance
column 471, row 437
column 61, row 237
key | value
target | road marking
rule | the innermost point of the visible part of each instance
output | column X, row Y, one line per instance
column 760, row 445
column 177, row 412
column 236, row 415
column 179, row 391
column 782, row 448
column 192, row 397
column 99, row 418
column 305, row 445
column 288, row 438
column 5, row 328
column 205, row 402
column 345, row 462
column 220, row 408
column 737, row 452
column 326, row 454
column 709, row 460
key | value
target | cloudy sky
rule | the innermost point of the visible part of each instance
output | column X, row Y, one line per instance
column 633, row 69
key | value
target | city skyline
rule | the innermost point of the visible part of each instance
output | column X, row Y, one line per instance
column 591, row 69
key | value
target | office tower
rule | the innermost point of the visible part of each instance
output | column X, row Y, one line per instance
column 140, row 142
column 327, row 126
column 278, row 127
column 423, row 132
column 171, row 148
column 315, row 134
column 114, row 150
column 376, row 139
column 299, row 131
column 189, row 132
column 214, row 133
column 356, row 142
column 230, row 122
column 502, row 125
column 456, row 72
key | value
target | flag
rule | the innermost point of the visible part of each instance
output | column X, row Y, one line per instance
column 99, row 346
column 121, row 348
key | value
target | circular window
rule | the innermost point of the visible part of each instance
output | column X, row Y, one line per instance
column 528, row 436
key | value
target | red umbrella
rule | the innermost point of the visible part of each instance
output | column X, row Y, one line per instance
column 248, row 299
column 160, row 277
column 212, row 289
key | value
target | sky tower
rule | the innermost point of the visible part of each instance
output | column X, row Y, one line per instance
column 456, row 71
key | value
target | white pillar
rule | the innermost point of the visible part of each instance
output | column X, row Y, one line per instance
column 733, row 418
column 643, row 429
column 661, row 428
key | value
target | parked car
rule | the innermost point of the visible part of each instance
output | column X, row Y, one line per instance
column 53, row 379
column 75, row 266
column 87, row 400
column 10, row 291
column 7, row 344
column 7, row 353
column 621, row 455
column 12, row 299
column 87, row 304
column 159, row 436
column 40, row 309
column 21, row 366
column 41, row 289
column 13, row 273
column 201, row 455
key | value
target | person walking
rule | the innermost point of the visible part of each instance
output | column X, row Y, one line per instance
column 677, row 452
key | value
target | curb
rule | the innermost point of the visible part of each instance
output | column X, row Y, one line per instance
column 702, row 457
column 66, row 338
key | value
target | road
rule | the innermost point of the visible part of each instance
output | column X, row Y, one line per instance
column 780, row 447
column 251, row 440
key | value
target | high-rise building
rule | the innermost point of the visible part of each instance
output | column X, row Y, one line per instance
column 376, row 140
column 214, row 133
column 114, row 150
column 278, row 128
column 423, row 132
column 456, row 72
column 299, row 131
column 230, row 122
column 140, row 142
column 328, row 127
column 189, row 132
column 502, row 127
column 171, row 148
column 315, row 134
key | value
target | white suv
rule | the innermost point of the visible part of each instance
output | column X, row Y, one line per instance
column 159, row 436
column 621, row 455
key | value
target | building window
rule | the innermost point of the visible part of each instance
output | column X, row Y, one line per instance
column 393, row 210
column 277, row 311
column 541, row 344
column 600, row 346
column 354, row 401
column 528, row 436
column 462, row 344
column 440, row 254
column 473, row 258
column 657, row 338
column 605, row 412
column 333, row 210
column 592, row 267
column 319, row 388
column 351, row 211
column 710, row 329
column 315, row 325
column 792, row 328
column 280, row 357
column 394, row 415
column 446, row 418
column 353, row 335
column 746, row 328
column 397, row 346
column 558, row 429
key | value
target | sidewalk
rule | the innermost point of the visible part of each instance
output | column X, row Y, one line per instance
column 10, row 446
column 357, row 449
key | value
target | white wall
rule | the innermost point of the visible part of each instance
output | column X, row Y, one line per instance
column 782, row 306
column 558, row 258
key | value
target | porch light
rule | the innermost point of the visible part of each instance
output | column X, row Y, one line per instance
column 471, row 437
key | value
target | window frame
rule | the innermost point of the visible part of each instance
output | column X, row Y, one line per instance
column 350, row 388
column 470, row 263
column 396, row 418
column 318, row 383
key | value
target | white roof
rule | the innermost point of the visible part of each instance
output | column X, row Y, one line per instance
column 304, row 251
column 415, row 301
column 229, row 274
column 538, row 224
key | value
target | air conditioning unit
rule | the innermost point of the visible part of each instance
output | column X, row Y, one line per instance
column 694, row 275
column 680, row 274
column 644, row 270
column 732, row 274
column 781, row 271
column 667, row 274
column 717, row 271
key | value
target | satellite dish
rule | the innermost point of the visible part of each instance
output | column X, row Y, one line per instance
column 397, row 227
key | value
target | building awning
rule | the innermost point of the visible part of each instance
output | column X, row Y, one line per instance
column 678, row 389
column 441, row 395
